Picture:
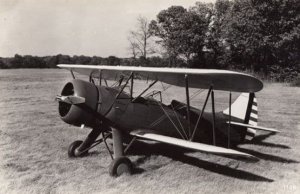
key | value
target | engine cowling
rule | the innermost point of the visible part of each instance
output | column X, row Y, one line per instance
column 78, row 114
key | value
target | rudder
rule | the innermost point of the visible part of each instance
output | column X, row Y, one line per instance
column 244, row 108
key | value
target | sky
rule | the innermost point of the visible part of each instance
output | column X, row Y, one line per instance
column 74, row 27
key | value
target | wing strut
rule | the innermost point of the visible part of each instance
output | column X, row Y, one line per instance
column 121, row 80
column 131, row 86
column 210, row 93
column 71, row 71
column 202, row 111
column 100, row 77
column 229, row 125
column 214, row 115
column 186, row 78
column 117, row 96
column 145, row 90
column 166, row 113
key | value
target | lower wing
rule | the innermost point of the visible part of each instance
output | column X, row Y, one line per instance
column 145, row 134
column 254, row 127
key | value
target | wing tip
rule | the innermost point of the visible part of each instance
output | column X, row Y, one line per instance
column 254, row 158
column 245, row 156
column 60, row 65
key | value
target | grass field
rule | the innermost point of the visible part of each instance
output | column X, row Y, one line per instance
column 34, row 143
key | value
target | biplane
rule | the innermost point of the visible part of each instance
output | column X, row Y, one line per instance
column 111, row 112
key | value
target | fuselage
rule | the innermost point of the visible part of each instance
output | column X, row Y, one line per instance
column 103, row 104
column 170, row 120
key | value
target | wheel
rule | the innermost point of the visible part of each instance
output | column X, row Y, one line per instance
column 119, row 166
column 72, row 149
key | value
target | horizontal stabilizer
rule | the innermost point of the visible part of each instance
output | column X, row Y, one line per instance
column 188, row 144
column 254, row 127
column 70, row 99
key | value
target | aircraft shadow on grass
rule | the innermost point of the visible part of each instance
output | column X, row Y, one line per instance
column 258, row 140
column 268, row 157
column 147, row 150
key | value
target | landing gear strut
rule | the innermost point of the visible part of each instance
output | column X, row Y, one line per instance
column 80, row 148
column 120, row 164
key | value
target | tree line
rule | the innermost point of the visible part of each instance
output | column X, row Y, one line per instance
column 251, row 35
column 260, row 36
column 28, row 61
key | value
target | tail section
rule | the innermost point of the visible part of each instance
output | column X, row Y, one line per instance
column 244, row 109
column 251, row 118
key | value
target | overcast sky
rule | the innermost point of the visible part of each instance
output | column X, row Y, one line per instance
column 73, row 27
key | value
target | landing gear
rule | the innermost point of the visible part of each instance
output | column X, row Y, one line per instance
column 72, row 151
column 80, row 148
column 119, row 166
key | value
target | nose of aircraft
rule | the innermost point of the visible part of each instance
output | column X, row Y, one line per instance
column 77, row 102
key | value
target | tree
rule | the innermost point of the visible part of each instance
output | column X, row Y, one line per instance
column 216, row 45
column 263, row 34
column 133, row 47
column 114, row 61
column 95, row 60
column 63, row 59
column 2, row 64
column 139, row 39
column 81, row 59
column 181, row 32
column 33, row 62
column 51, row 61
column 17, row 61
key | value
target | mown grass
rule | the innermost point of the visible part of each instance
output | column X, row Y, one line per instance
column 34, row 142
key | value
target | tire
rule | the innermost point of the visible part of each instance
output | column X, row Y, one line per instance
column 73, row 146
column 119, row 166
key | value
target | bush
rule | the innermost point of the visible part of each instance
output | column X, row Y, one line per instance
column 296, row 82
column 284, row 74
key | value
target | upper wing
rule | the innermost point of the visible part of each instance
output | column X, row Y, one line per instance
column 188, row 144
column 198, row 78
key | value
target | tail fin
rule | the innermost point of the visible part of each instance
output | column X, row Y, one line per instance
column 245, row 109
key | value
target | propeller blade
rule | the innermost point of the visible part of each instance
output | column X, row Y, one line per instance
column 70, row 99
